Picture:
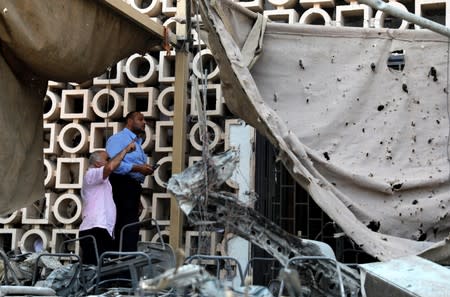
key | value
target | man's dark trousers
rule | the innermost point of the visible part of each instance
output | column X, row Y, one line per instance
column 127, row 196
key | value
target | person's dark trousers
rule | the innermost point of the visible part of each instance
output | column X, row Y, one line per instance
column 127, row 196
column 103, row 240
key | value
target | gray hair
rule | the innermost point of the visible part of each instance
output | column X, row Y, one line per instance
column 95, row 157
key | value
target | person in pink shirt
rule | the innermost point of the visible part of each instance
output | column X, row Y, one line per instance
column 99, row 210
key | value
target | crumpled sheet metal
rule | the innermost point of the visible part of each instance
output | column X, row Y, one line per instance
column 189, row 186
column 369, row 143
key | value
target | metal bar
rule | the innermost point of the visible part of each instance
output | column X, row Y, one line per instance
column 410, row 17
column 179, row 125
column 139, row 19
column 94, row 241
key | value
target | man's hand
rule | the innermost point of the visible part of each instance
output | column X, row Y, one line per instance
column 145, row 169
column 131, row 146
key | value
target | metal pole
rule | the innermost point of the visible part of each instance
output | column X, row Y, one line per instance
column 179, row 122
column 410, row 17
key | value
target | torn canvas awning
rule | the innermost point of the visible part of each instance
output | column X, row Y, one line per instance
column 369, row 142
column 67, row 41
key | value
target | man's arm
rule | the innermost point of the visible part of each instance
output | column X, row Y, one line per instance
column 115, row 162
column 144, row 169
column 114, row 146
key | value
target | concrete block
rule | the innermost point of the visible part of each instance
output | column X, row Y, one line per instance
column 100, row 132
column 288, row 16
column 51, row 132
column 194, row 159
column 49, row 173
column 380, row 16
column 316, row 3
column 204, row 59
column 38, row 213
column 149, row 141
column 283, row 4
column 108, row 104
column 166, row 101
column 76, row 105
column 165, row 234
column 164, row 171
column 166, row 72
column 439, row 9
column 61, row 235
column 164, row 136
column 52, row 106
column 9, row 238
column 315, row 16
column 151, row 9
column 74, row 138
column 35, row 240
column 115, row 77
column 142, row 69
column 70, row 172
column 215, row 135
column 214, row 100
column 161, row 208
column 146, row 212
column 169, row 7
column 360, row 13
column 67, row 208
column 11, row 218
column 255, row 5
column 142, row 99
column 203, row 243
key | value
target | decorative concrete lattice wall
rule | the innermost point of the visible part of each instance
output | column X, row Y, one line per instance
column 78, row 118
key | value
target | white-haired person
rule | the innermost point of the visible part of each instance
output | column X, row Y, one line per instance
column 99, row 210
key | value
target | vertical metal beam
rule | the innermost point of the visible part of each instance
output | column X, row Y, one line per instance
column 179, row 124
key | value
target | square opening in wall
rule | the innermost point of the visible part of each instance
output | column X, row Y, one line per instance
column 60, row 244
column 435, row 12
column 37, row 210
column 6, row 242
column 74, row 104
column 164, row 136
column 47, row 138
column 353, row 18
column 101, row 135
column 166, row 67
column 161, row 208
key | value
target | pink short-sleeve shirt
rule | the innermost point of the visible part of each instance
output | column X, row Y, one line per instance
column 99, row 209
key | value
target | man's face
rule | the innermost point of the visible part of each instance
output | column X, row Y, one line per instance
column 103, row 159
column 137, row 123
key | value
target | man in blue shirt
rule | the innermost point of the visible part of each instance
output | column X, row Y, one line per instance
column 127, row 178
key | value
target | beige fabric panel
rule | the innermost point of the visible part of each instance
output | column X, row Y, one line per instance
column 69, row 40
column 21, row 137
column 60, row 40
column 370, row 145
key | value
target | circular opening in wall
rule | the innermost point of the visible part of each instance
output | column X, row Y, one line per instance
column 106, row 103
column 315, row 19
column 72, row 138
column 208, row 63
column 48, row 104
column 67, row 208
column 33, row 243
column 143, row 3
column 396, row 60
